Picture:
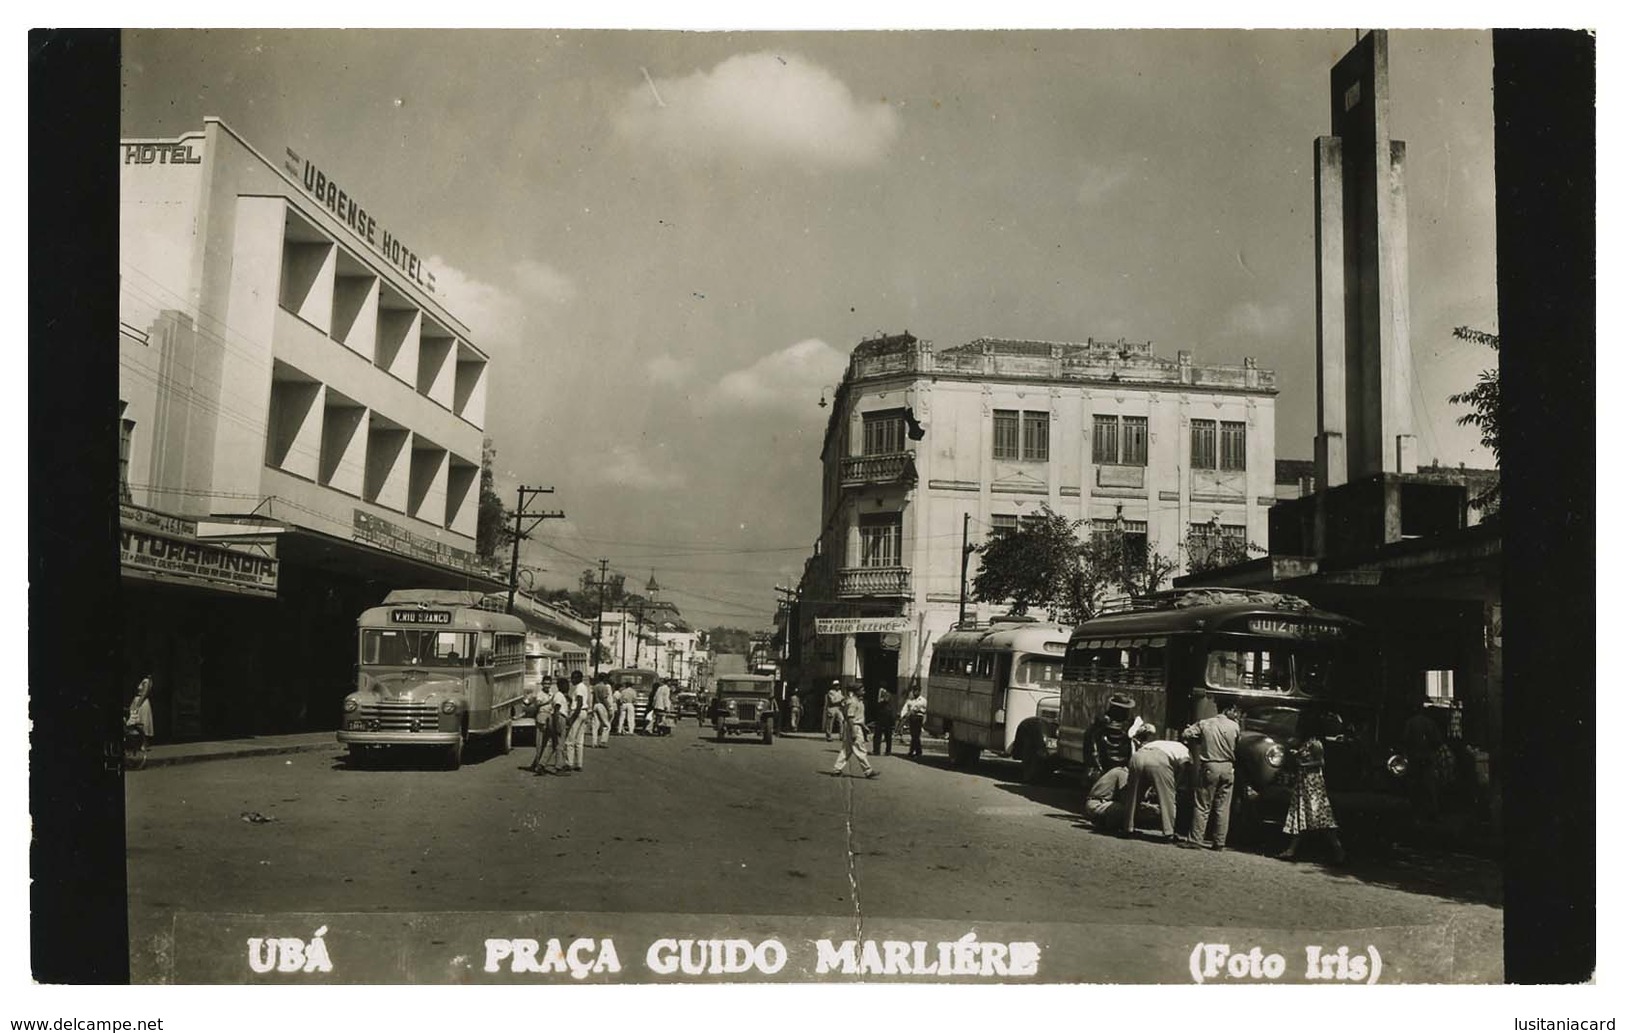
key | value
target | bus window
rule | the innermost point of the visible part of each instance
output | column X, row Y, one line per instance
column 1224, row 668
column 388, row 647
column 1038, row 671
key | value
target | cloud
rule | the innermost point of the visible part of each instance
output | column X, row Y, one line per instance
column 788, row 376
column 1250, row 319
column 763, row 107
column 625, row 467
column 1098, row 181
column 666, row 369
column 497, row 316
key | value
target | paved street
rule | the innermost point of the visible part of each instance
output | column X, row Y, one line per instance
column 686, row 825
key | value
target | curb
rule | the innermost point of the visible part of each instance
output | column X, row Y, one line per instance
column 247, row 751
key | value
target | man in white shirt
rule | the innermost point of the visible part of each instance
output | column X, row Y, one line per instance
column 580, row 714
column 1159, row 762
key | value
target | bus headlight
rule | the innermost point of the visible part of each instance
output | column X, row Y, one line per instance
column 448, row 706
column 351, row 706
column 1398, row 765
column 1275, row 756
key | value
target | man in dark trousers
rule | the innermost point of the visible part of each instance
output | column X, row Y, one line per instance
column 883, row 715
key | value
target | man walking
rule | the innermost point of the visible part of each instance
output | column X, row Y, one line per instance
column 832, row 709
column 853, row 731
column 1215, row 749
column 795, row 712
column 1161, row 763
column 580, row 714
column 659, row 703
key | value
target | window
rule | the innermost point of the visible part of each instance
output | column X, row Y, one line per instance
column 1006, row 434
column 1003, row 522
column 1204, row 445
column 1021, row 435
column 1121, row 440
column 881, row 538
column 882, row 432
column 1035, row 436
column 1232, row 446
column 1441, row 686
column 1136, row 534
column 1105, row 439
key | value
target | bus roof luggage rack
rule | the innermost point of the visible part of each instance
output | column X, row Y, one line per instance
column 433, row 597
column 1185, row 598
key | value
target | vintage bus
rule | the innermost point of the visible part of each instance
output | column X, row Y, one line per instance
column 984, row 687
column 1279, row 657
column 436, row 669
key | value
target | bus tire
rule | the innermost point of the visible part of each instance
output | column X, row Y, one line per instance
column 454, row 754
column 358, row 756
column 767, row 733
column 506, row 742
column 962, row 754
column 722, row 734
column 1034, row 764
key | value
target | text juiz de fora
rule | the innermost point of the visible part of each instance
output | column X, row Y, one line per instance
column 966, row 956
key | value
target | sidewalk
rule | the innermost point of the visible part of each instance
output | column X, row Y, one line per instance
column 248, row 746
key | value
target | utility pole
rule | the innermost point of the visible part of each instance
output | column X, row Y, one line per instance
column 521, row 532
column 964, row 563
column 637, row 648
column 598, row 627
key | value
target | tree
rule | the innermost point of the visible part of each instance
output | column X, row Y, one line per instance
column 1207, row 548
column 1033, row 565
column 1485, row 400
column 493, row 532
column 1045, row 563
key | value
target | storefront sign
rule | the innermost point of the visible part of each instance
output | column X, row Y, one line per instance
column 152, row 520
column 239, row 567
column 161, row 154
column 344, row 207
column 860, row 625
column 374, row 530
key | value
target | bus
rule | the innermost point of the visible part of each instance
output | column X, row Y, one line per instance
column 1276, row 655
column 436, row 669
column 984, row 687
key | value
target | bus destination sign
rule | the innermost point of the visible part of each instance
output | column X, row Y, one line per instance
column 420, row 616
column 1293, row 629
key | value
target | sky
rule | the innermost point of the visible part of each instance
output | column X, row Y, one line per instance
column 669, row 242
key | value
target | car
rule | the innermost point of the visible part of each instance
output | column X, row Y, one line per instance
column 743, row 704
column 687, row 704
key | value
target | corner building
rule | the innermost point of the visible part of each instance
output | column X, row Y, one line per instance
column 1103, row 431
column 290, row 384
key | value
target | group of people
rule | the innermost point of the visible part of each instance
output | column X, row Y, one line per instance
column 846, row 715
column 1136, row 763
column 575, row 714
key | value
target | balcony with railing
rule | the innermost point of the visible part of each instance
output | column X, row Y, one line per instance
column 856, row 582
column 856, row 471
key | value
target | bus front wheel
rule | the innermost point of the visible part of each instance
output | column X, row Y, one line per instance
column 454, row 754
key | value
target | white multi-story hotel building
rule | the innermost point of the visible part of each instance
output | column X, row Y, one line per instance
column 293, row 389
column 1103, row 431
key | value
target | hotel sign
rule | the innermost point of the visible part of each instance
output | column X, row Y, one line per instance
column 861, row 625
column 159, row 547
column 375, row 530
column 344, row 207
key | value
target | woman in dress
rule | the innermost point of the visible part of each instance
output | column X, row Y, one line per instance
column 1310, row 809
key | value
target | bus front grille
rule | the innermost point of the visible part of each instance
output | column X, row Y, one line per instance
column 393, row 716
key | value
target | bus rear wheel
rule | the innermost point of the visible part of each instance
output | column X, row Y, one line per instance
column 506, row 742
column 962, row 754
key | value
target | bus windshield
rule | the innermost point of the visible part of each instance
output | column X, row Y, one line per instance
column 415, row 647
column 1036, row 670
column 1312, row 669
